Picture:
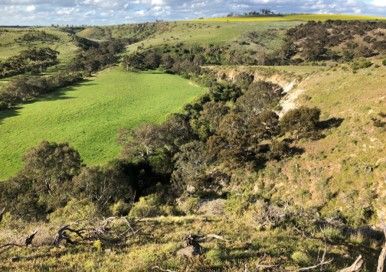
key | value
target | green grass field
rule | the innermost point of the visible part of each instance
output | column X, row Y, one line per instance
column 88, row 116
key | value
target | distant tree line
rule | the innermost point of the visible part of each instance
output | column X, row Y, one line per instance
column 187, row 59
column 261, row 13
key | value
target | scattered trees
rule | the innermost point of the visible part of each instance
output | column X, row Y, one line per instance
column 316, row 41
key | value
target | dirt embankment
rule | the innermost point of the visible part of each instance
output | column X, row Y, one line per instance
column 291, row 83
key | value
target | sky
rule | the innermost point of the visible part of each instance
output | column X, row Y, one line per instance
column 102, row 12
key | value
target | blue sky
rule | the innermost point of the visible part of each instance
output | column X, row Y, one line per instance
column 78, row 12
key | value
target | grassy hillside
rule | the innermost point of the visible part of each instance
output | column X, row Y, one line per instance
column 88, row 116
column 10, row 43
column 294, row 17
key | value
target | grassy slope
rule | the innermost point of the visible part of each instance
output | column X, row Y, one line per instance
column 204, row 33
column 8, row 46
column 295, row 17
column 88, row 116
column 344, row 171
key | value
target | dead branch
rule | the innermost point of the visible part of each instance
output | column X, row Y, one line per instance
column 29, row 239
column 62, row 235
column 320, row 264
column 215, row 236
column 27, row 242
column 10, row 245
column 355, row 267
column 382, row 256
column 2, row 211
column 315, row 266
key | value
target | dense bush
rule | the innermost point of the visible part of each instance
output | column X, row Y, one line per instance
column 105, row 186
column 334, row 40
column 97, row 55
column 302, row 121
column 26, row 88
column 31, row 60
column 53, row 175
column 44, row 184
column 37, row 36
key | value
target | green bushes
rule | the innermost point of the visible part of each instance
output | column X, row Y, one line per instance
column 333, row 40
column 302, row 122
column 149, row 206
column 361, row 64
column 53, row 176
column 32, row 60
column 384, row 62
column 44, row 183
column 26, row 88
column 104, row 186
column 96, row 56
column 38, row 36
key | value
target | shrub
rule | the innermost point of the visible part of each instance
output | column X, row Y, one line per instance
column 361, row 64
column 302, row 121
column 148, row 206
column 105, row 186
column 301, row 258
column 384, row 62
column 51, row 167
column 215, row 256
column 332, row 234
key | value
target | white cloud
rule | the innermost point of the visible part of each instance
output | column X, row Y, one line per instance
column 48, row 12
column 379, row 3
column 30, row 8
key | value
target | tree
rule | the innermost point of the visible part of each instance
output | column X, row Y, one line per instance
column 209, row 119
column 19, row 197
column 302, row 121
column 51, row 167
column 105, row 185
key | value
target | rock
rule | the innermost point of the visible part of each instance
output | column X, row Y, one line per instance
column 188, row 252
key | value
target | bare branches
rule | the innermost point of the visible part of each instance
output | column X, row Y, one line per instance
column 320, row 264
column 215, row 236
column 355, row 267
column 62, row 235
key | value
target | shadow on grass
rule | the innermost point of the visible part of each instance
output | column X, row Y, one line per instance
column 330, row 123
column 59, row 94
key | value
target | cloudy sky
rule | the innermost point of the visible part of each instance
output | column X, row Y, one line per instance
column 77, row 12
